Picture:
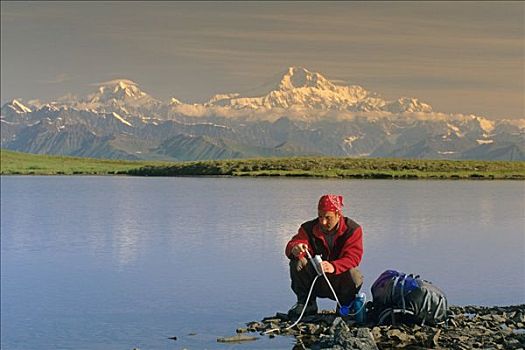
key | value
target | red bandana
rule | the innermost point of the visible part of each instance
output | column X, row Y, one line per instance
column 331, row 202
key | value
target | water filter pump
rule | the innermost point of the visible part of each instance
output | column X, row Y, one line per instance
column 356, row 308
column 316, row 263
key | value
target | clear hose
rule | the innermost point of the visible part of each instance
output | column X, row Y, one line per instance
column 317, row 269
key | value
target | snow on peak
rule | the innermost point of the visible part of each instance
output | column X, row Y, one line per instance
column 300, row 89
column 216, row 99
column 407, row 104
column 296, row 90
column 123, row 83
column 19, row 107
column 175, row 102
column 118, row 93
column 299, row 77
column 486, row 125
column 119, row 89
column 119, row 118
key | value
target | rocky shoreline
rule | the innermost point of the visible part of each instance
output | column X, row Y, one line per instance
column 468, row 327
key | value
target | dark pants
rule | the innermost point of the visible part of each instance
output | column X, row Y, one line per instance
column 346, row 284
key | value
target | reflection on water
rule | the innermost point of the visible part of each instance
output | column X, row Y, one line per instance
column 119, row 262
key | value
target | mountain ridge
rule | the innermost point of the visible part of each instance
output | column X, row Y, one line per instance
column 296, row 87
column 298, row 113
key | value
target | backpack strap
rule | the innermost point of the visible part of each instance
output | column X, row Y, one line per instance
column 384, row 314
column 438, row 308
column 403, row 303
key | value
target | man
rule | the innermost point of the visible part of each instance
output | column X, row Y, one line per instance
column 339, row 241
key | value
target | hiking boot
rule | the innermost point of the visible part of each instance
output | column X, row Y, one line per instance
column 295, row 311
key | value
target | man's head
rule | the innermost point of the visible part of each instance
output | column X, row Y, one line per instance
column 329, row 211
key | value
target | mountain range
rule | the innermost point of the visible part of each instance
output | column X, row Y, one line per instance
column 298, row 113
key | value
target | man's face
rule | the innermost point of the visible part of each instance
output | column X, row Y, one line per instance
column 328, row 220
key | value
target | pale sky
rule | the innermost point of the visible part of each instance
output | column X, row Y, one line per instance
column 460, row 57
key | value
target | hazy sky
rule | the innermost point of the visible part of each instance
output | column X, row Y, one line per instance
column 465, row 57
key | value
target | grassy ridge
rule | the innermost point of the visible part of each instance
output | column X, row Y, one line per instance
column 23, row 163
column 344, row 168
column 16, row 163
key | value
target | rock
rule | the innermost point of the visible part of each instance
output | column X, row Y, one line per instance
column 376, row 333
column 513, row 344
column 520, row 316
column 310, row 328
column 435, row 338
column 346, row 338
column 255, row 326
column 504, row 328
column 499, row 318
column 337, row 325
column 236, row 339
column 281, row 316
column 399, row 338
column 468, row 327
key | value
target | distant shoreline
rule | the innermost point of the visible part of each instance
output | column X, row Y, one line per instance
column 16, row 163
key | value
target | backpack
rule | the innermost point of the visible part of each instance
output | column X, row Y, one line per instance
column 398, row 297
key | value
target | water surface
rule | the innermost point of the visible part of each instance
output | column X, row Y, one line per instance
column 124, row 262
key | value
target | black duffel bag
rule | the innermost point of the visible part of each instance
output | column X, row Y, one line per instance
column 402, row 298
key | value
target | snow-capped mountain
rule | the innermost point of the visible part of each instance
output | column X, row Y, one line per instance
column 121, row 96
column 299, row 112
column 120, row 91
column 298, row 88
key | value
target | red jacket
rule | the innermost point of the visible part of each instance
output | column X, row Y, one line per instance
column 348, row 243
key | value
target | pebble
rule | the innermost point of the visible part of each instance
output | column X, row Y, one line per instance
column 468, row 327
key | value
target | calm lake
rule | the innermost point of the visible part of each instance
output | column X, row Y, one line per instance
column 124, row 262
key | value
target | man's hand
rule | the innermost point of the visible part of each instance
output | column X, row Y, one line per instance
column 298, row 249
column 301, row 263
column 327, row 267
column 299, row 252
